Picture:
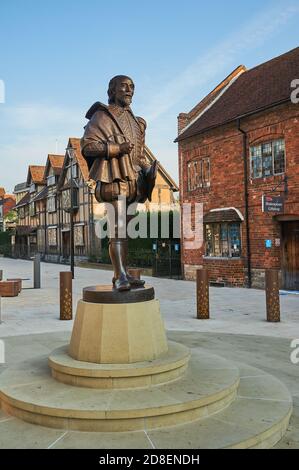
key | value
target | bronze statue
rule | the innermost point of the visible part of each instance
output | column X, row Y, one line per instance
column 113, row 146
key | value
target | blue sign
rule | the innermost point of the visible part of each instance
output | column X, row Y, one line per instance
column 154, row 246
column 268, row 243
column 177, row 247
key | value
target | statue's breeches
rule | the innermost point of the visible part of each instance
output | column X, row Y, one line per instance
column 109, row 192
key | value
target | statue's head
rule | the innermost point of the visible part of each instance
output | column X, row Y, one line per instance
column 121, row 90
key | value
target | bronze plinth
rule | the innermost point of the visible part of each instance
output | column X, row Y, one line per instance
column 108, row 295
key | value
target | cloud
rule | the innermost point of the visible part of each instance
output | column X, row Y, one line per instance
column 217, row 59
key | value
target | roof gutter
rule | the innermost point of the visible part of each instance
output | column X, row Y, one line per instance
column 244, row 135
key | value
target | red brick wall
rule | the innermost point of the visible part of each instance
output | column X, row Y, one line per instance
column 224, row 147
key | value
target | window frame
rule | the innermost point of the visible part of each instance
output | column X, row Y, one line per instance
column 51, row 209
column 32, row 209
column 198, row 166
column 217, row 227
column 260, row 147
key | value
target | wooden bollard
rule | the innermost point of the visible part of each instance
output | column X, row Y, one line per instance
column 202, row 294
column 66, row 296
column 272, row 295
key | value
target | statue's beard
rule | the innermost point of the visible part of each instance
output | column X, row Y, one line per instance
column 124, row 101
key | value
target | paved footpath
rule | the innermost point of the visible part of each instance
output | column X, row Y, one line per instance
column 237, row 331
column 233, row 310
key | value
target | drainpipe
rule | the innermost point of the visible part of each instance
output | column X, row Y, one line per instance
column 246, row 203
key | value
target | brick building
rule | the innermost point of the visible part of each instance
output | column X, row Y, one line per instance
column 238, row 145
column 7, row 204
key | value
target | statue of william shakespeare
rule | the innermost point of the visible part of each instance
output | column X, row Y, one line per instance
column 113, row 146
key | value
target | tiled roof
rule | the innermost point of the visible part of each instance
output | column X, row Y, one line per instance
column 226, row 215
column 56, row 162
column 254, row 90
column 37, row 174
column 24, row 201
column 151, row 158
column 2, row 192
column 75, row 143
column 20, row 187
column 41, row 195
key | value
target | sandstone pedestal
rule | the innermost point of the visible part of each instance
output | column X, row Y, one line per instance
column 118, row 333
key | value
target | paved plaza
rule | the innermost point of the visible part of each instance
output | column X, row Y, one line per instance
column 237, row 331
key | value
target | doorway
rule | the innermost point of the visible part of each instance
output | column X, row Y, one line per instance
column 290, row 255
column 66, row 245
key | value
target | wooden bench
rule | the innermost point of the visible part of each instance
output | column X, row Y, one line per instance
column 9, row 288
column 19, row 281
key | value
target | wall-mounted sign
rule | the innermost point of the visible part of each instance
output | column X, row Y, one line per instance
column 277, row 241
column 272, row 203
column 268, row 243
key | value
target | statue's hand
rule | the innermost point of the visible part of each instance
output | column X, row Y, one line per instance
column 126, row 147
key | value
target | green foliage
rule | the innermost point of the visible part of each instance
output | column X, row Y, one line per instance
column 5, row 238
column 12, row 216
column 140, row 250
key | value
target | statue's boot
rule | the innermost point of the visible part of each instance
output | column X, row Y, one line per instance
column 117, row 251
column 134, row 281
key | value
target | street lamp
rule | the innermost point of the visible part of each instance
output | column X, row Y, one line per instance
column 71, row 154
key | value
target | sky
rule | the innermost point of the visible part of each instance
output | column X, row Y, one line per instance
column 57, row 57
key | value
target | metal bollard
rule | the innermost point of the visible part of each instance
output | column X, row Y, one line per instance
column 272, row 295
column 66, row 295
column 36, row 271
column 202, row 294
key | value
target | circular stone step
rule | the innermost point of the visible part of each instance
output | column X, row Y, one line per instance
column 169, row 366
column 208, row 386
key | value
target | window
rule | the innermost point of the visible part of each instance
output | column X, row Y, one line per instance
column 74, row 171
column 66, row 199
column 79, row 235
column 205, row 172
column 267, row 159
column 32, row 209
column 52, row 236
column 223, row 240
column 51, row 180
column 51, row 204
column 32, row 188
column 22, row 212
column 198, row 174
